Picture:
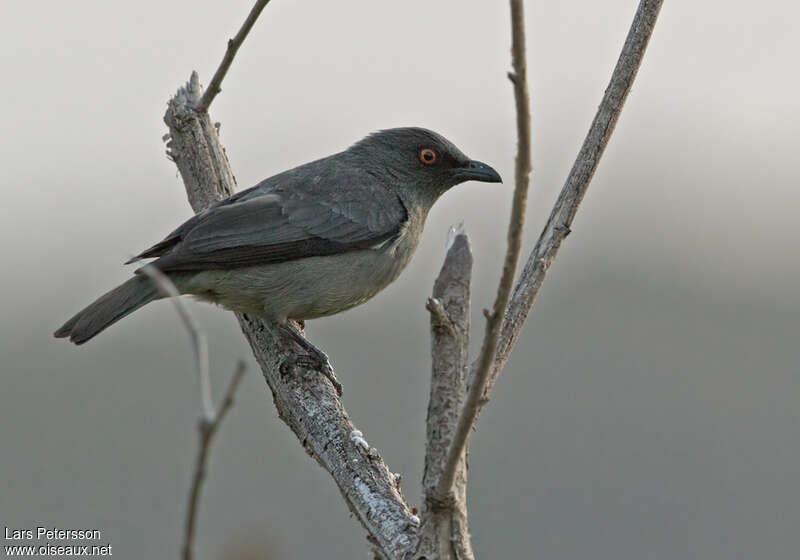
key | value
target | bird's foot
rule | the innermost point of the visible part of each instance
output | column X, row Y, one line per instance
column 314, row 358
column 319, row 363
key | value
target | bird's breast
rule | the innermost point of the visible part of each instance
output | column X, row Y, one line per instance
column 352, row 278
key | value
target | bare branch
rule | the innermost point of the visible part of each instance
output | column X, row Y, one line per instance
column 193, row 145
column 196, row 335
column 233, row 46
column 444, row 533
column 206, row 428
column 210, row 418
column 494, row 320
column 304, row 399
column 560, row 221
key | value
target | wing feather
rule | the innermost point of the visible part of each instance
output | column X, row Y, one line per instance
column 277, row 223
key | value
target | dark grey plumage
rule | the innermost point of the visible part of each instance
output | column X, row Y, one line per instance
column 290, row 216
column 108, row 309
column 308, row 242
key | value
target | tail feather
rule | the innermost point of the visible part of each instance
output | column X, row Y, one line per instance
column 108, row 309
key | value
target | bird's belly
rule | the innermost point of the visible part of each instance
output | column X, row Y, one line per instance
column 304, row 289
column 321, row 288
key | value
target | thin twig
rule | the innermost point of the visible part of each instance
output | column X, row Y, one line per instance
column 439, row 318
column 522, row 171
column 210, row 419
column 233, row 46
column 563, row 213
column 206, row 428
column 198, row 338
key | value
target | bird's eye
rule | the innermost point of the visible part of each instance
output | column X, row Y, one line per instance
column 427, row 156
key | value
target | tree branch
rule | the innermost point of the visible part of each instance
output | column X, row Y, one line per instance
column 207, row 428
column 210, row 419
column 494, row 320
column 444, row 533
column 563, row 213
column 233, row 46
column 304, row 399
column 196, row 335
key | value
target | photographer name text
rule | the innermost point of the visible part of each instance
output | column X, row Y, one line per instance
column 52, row 534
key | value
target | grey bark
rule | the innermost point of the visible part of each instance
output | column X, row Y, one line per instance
column 305, row 401
column 445, row 531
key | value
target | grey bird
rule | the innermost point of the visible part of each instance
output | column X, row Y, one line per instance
column 310, row 242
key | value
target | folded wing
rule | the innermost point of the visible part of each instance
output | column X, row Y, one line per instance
column 272, row 225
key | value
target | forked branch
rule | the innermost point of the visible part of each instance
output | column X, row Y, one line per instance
column 469, row 413
column 210, row 419
column 206, row 429
column 563, row 213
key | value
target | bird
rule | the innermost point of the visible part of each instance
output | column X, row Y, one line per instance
column 309, row 242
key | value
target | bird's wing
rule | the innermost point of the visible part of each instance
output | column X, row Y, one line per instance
column 282, row 225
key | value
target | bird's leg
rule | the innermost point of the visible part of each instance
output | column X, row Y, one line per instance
column 314, row 358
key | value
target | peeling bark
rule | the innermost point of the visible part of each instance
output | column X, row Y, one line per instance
column 444, row 533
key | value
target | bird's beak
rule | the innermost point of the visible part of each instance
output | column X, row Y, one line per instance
column 477, row 171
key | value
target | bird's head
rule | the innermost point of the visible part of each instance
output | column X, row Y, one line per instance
column 419, row 161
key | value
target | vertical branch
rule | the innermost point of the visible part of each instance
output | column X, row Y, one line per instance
column 193, row 144
column 494, row 321
column 444, row 533
column 563, row 213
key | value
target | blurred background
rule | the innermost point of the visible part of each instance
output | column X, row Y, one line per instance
column 650, row 409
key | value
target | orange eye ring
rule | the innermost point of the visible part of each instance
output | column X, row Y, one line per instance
column 427, row 156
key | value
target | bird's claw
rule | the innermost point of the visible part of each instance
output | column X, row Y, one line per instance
column 322, row 364
column 319, row 363
column 313, row 358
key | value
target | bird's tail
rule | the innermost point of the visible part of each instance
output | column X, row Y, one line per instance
column 108, row 309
